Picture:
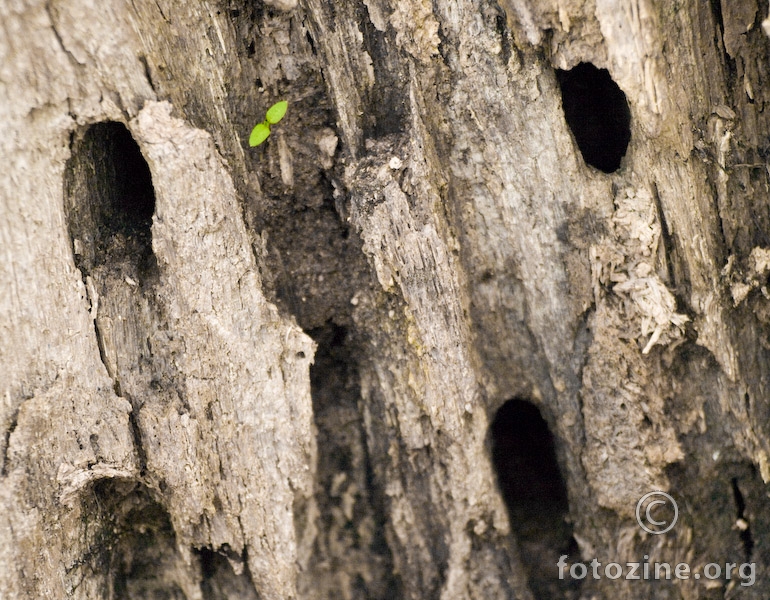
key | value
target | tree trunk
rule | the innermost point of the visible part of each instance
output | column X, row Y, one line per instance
column 500, row 272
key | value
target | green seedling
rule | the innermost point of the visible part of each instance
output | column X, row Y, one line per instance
column 259, row 134
column 261, row 131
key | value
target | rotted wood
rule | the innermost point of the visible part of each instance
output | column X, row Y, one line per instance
column 499, row 272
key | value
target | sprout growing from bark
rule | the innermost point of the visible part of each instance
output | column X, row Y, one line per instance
column 261, row 131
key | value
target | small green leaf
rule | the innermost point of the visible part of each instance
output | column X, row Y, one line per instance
column 276, row 111
column 259, row 134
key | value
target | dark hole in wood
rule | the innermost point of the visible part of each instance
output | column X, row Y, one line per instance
column 524, row 457
column 597, row 113
column 110, row 198
column 123, row 178
column 134, row 548
column 208, row 562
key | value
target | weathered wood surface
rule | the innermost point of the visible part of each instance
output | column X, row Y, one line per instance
column 423, row 229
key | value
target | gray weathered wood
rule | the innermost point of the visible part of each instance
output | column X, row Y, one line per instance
column 422, row 229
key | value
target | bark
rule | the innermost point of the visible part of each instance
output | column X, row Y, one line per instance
column 439, row 330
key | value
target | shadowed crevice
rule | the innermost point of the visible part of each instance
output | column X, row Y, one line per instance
column 355, row 557
column 224, row 575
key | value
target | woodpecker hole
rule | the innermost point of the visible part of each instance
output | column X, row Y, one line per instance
column 110, row 198
column 524, row 457
column 132, row 544
column 597, row 113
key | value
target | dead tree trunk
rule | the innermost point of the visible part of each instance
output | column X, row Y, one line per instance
column 501, row 271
